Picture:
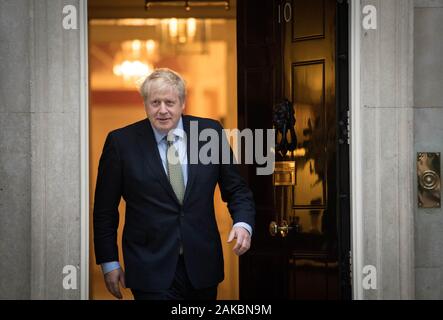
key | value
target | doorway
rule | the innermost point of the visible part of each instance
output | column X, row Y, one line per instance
column 201, row 47
column 313, row 260
column 293, row 60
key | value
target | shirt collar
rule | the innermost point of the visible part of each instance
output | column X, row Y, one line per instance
column 178, row 131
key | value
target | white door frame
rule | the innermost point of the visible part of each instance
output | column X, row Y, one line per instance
column 84, row 151
column 355, row 154
column 356, row 151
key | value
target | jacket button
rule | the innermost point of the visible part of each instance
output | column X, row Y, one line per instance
column 182, row 213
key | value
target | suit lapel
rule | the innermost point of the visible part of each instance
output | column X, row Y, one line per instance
column 149, row 149
column 192, row 168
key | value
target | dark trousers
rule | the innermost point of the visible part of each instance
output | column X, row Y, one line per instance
column 181, row 288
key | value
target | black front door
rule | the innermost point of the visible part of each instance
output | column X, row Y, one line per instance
column 296, row 51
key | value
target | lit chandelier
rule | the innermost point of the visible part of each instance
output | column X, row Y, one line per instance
column 188, row 4
column 135, row 60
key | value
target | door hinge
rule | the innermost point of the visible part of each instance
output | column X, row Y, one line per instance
column 350, row 268
column 345, row 129
column 349, row 127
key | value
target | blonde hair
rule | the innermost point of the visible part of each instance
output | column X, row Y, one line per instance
column 163, row 78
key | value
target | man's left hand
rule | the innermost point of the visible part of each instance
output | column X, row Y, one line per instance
column 243, row 240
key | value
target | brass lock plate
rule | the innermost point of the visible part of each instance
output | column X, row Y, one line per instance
column 284, row 173
column 428, row 180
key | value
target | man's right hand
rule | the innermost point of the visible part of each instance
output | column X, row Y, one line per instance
column 113, row 280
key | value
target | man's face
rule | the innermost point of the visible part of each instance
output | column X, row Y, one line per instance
column 163, row 108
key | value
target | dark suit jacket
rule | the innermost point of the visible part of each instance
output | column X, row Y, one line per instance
column 130, row 167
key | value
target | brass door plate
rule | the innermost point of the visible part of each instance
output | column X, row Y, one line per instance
column 428, row 180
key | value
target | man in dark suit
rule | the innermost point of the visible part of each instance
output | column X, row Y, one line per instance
column 171, row 243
